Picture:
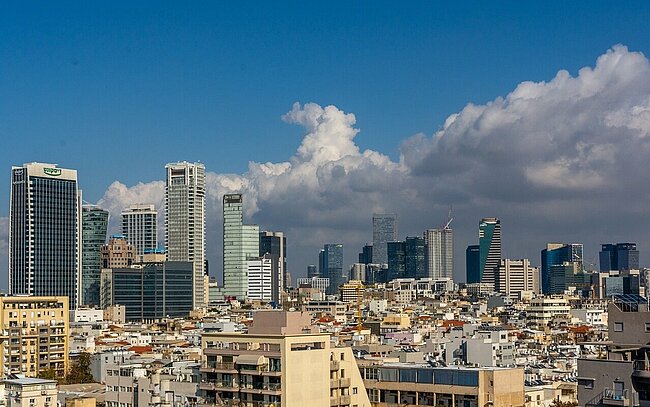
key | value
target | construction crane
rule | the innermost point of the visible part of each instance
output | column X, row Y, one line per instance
column 450, row 218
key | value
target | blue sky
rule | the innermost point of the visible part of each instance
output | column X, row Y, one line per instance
column 118, row 89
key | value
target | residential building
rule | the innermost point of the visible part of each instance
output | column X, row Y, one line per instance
column 315, row 282
column 94, row 223
column 260, row 279
column 439, row 253
column 384, row 230
column 150, row 291
column 408, row 290
column 409, row 384
column 240, row 243
column 556, row 254
column 489, row 236
column 274, row 244
column 352, row 291
column 620, row 256
column 514, row 276
column 473, row 264
column 542, row 310
column 332, row 266
column 45, row 232
column 280, row 361
column 35, row 333
column 140, row 227
column 185, row 220
column 30, row 392
column 117, row 253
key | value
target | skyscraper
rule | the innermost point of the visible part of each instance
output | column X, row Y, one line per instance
column 275, row 245
column 332, row 263
column 312, row 271
column 365, row 257
column 240, row 243
column 94, row 223
column 440, row 253
column 396, row 263
column 514, row 276
column 260, row 278
column 185, row 220
column 139, row 226
column 556, row 254
column 415, row 257
column 384, row 230
column 620, row 256
column 472, row 264
column 489, row 237
column 45, row 232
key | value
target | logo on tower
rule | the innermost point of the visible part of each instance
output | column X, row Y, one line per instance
column 52, row 172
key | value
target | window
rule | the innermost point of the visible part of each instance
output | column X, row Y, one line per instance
column 618, row 327
column 355, row 390
column 647, row 326
column 342, row 355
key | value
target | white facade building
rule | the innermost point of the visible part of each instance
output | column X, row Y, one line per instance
column 139, row 226
column 185, row 220
column 513, row 276
column 260, row 278
column 440, row 253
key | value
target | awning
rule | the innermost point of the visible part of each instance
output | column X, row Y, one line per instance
column 255, row 360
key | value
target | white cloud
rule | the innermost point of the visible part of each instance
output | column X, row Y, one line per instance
column 564, row 159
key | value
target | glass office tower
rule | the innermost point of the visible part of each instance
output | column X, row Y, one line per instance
column 384, row 230
column 45, row 232
column 489, row 237
column 94, row 223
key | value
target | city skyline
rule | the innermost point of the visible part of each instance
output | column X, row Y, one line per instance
column 470, row 105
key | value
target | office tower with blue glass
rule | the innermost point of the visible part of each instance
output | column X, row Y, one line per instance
column 472, row 264
column 396, row 260
column 240, row 243
column 331, row 259
column 557, row 254
column 489, row 238
column 384, row 230
column 185, row 220
column 440, row 253
column 45, row 232
column 415, row 257
column 139, row 226
column 365, row 257
column 94, row 224
column 619, row 256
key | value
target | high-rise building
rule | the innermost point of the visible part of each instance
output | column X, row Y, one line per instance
column 45, row 232
column 415, row 257
column 275, row 245
column 185, row 220
column 384, row 230
column 155, row 290
column 472, row 264
column 39, row 342
column 396, row 260
column 440, row 253
column 332, row 265
column 566, row 275
column 240, row 243
column 620, row 256
column 260, row 279
column 365, row 257
column 117, row 252
column 139, row 226
column 556, row 254
column 514, row 276
column 489, row 237
column 94, row 224
column 312, row 271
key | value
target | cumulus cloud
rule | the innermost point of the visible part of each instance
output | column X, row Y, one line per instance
column 558, row 160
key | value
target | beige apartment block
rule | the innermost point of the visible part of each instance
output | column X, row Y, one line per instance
column 34, row 336
column 410, row 384
column 279, row 362
column 30, row 392
column 117, row 253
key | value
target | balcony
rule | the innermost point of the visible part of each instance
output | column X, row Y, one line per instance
column 344, row 382
column 222, row 385
column 218, row 367
column 616, row 398
column 334, row 365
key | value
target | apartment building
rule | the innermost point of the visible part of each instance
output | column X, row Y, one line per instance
column 279, row 362
column 30, row 392
column 411, row 384
column 34, row 335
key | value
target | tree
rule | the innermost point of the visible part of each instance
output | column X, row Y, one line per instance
column 49, row 374
column 80, row 370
